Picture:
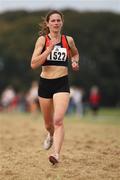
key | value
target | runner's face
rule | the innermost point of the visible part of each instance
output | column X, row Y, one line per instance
column 55, row 23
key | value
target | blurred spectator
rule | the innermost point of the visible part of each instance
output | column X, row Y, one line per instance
column 94, row 99
column 32, row 97
column 22, row 104
column 7, row 98
column 77, row 98
column 76, row 104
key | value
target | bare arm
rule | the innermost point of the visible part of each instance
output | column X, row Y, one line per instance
column 73, row 53
column 38, row 58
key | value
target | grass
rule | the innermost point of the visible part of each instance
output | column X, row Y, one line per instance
column 105, row 115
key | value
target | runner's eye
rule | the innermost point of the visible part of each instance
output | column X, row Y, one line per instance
column 58, row 20
column 53, row 20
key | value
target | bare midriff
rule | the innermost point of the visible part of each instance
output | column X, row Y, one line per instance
column 52, row 72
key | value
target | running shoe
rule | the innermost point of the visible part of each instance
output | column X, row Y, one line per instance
column 48, row 142
column 54, row 159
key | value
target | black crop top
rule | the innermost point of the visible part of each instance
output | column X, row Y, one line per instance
column 59, row 55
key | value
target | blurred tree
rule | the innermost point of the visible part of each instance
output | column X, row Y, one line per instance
column 96, row 36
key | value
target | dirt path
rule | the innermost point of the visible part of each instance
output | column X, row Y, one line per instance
column 90, row 151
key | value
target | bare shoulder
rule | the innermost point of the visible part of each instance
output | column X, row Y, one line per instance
column 40, row 41
column 70, row 39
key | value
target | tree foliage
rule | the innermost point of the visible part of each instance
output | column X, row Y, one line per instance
column 97, row 39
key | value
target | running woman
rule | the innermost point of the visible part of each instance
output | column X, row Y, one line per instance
column 53, row 51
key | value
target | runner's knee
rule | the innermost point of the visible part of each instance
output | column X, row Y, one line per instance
column 58, row 121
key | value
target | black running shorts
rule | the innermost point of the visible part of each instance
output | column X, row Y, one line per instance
column 49, row 87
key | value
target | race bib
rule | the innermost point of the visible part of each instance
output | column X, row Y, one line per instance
column 58, row 54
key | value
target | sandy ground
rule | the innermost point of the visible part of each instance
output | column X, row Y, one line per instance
column 91, row 151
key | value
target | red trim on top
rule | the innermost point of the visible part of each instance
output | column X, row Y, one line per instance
column 65, row 44
column 47, row 42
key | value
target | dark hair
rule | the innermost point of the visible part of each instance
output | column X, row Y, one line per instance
column 44, row 29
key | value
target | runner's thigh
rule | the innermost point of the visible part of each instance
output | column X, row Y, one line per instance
column 60, row 101
column 46, row 108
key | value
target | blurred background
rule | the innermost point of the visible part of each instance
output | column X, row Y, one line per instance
column 95, row 27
